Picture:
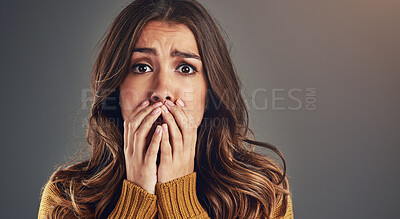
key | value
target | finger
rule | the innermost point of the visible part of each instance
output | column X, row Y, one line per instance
column 129, row 149
column 147, row 123
column 166, row 150
column 181, row 105
column 140, row 107
column 195, row 123
column 139, row 117
column 183, row 121
column 174, row 132
column 186, row 123
column 152, row 151
column 144, row 129
column 125, row 134
column 133, row 125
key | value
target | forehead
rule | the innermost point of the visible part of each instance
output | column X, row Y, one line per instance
column 158, row 34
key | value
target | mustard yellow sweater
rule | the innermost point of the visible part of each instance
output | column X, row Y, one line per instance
column 173, row 199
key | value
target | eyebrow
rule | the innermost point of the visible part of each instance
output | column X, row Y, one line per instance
column 173, row 53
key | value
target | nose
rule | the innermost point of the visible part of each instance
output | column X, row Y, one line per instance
column 162, row 88
column 156, row 97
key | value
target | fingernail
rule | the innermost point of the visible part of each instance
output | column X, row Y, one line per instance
column 145, row 103
column 157, row 104
column 156, row 110
column 165, row 126
column 158, row 129
column 164, row 108
column 170, row 103
column 180, row 102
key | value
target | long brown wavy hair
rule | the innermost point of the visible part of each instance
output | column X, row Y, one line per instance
column 233, row 181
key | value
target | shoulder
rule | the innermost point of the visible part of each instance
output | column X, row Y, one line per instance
column 48, row 195
column 48, row 188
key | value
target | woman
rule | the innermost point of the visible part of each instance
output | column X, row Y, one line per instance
column 168, row 128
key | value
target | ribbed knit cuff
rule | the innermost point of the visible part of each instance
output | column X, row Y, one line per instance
column 177, row 199
column 134, row 202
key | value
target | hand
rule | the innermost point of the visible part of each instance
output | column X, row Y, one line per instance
column 141, row 167
column 176, row 160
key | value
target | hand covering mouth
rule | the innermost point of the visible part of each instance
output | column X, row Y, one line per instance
column 159, row 121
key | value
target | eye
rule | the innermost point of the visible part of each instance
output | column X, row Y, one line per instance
column 141, row 68
column 186, row 68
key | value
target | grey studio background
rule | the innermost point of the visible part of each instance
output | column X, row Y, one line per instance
column 322, row 80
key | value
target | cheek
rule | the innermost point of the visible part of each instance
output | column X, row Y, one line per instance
column 195, row 106
column 129, row 100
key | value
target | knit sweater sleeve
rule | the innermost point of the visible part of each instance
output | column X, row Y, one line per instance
column 289, row 210
column 177, row 199
column 47, row 195
column 134, row 202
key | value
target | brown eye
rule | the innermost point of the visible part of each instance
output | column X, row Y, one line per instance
column 187, row 69
column 141, row 68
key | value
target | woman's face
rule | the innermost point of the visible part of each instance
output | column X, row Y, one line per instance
column 165, row 64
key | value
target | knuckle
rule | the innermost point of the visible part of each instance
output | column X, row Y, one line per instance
column 168, row 116
column 128, row 152
column 135, row 122
column 151, row 151
column 132, row 124
column 176, row 138
column 136, row 135
column 149, row 107
column 150, row 119
column 139, row 133
column 190, row 128
column 153, row 117
column 165, row 151
column 165, row 136
column 144, row 109
column 185, row 128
